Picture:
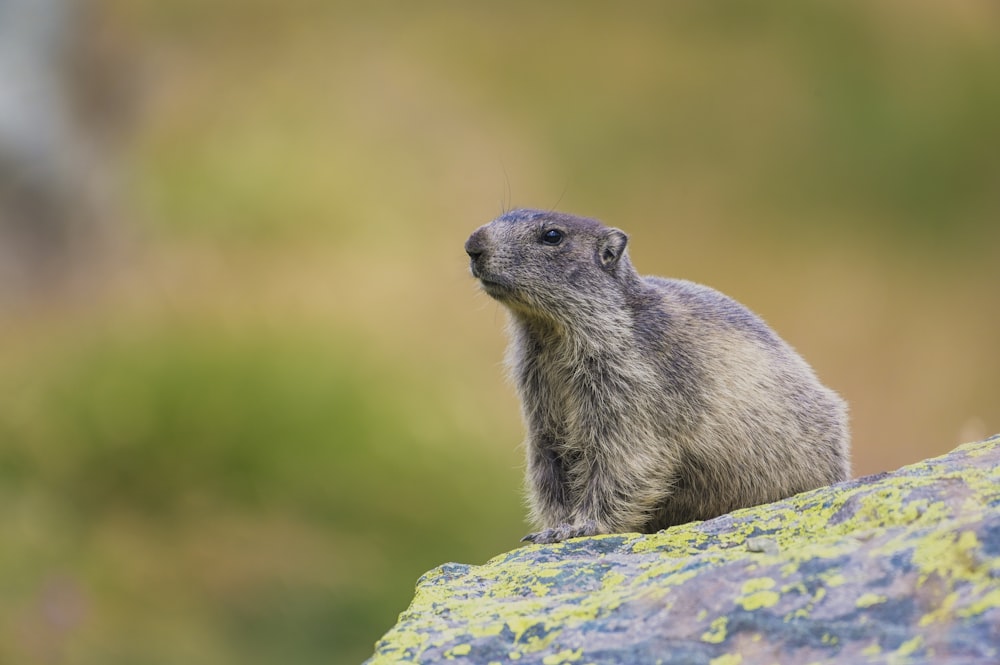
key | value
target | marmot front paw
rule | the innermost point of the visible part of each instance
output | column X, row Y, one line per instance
column 562, row 532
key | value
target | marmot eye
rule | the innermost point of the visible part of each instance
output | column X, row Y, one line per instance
column 552, row 237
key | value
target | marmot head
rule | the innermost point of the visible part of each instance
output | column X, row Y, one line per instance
column 542, row 262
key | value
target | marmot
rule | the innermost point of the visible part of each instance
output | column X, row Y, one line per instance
column 648, row 402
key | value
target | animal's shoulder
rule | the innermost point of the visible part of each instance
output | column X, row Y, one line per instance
column 700, row 305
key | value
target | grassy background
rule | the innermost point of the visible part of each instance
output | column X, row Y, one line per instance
column 288, row 402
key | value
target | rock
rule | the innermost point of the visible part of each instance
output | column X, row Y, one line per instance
column 901, row 567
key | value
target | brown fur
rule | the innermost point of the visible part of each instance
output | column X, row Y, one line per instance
column 648, row 402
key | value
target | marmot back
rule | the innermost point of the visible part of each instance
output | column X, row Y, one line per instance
column 648, row 401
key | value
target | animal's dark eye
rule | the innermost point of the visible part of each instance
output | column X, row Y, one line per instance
column 552, row 237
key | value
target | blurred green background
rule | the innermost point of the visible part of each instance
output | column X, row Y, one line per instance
column 283, row 400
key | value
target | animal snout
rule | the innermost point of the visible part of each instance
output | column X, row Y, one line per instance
column 475, row 246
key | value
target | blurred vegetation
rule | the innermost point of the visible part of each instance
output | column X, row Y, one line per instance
column 246, row 497
column 288, row 403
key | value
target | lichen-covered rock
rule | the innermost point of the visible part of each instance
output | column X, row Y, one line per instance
column 896, row 568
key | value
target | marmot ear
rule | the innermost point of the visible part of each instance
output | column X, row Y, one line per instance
column 610, row 247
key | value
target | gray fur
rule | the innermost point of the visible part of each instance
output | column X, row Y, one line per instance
column 649, row 402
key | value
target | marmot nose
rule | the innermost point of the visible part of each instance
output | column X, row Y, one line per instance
column 475, row 246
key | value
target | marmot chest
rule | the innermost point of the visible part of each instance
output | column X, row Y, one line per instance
column 576, row 395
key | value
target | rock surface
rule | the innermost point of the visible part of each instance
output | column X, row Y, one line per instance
column 895, row 568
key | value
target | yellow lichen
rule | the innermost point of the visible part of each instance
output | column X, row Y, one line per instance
column 909, row 646
column 565, row 656
column 716, row 632
column 612, row 579
column 836, row 579
column 869, row 599
column 757, row 584
column 944, row 554
column 458, row 650
column 539, row 588
column 756, row 594
column 990, row 600
column 727, row 659
column 942, row 612
column 759, row 600
column 872, row 649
